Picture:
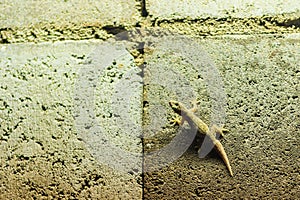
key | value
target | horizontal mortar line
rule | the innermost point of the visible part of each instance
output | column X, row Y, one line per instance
column 288, row 21
column 264, row 21
column 205, row 27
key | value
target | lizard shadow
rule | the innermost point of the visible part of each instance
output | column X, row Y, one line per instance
column 199, row 144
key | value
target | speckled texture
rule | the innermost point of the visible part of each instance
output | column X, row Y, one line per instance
column 263, row 119
column 99, row 20
column 36, row 21
column 30, row 13
column 43, row 155
column 219, row 8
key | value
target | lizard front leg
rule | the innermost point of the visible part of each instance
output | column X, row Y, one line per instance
column 177, row 120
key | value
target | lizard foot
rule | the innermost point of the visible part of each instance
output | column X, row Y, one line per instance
column 223, row 131
column 220, row 131
column 176, row 120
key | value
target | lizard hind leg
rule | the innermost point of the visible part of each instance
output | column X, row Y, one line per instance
column 223, row 131
column 220, row 130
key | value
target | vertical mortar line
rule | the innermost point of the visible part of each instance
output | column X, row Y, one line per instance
column 144, row 11
column 142, row 138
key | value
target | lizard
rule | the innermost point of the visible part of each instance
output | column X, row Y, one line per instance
column 189, row 116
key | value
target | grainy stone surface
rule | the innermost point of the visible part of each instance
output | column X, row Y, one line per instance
column 30, row 13
column 206, row 18
column 48, row 152
column 43, row 152
column 220, row 8
column 262, row 83
column 36, row 21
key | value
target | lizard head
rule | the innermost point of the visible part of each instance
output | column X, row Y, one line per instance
column 175, row 105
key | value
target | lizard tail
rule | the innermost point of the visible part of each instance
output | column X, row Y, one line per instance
column 222, row 153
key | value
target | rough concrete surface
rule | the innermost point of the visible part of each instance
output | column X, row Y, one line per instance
column 219, row 8
column 32, row 21
column 76, row 126
column 27, row 13
column 44, row 152
column 262, row 114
